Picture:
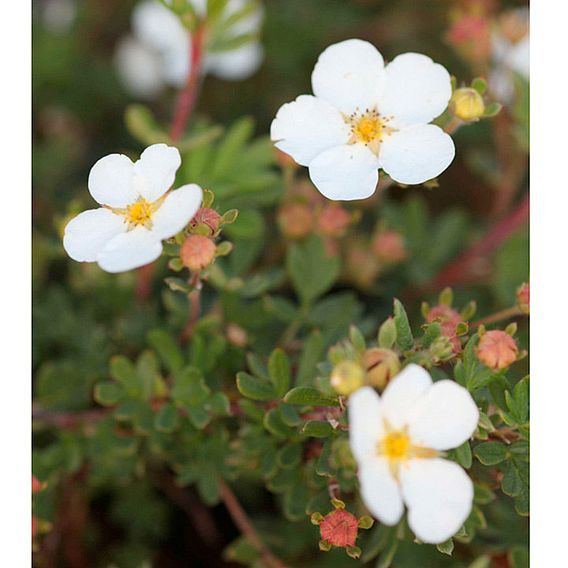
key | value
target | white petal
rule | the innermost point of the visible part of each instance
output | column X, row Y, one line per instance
column 444, row 418
column 237, row 64
column 156, row 170
column 111, row 181
column 380, row 491
column 439, row 496
column 86, row 234
column 177, row 211
column 417, row 154
column 403, row 392
column 349, row 75
column 158, row 27
column 306, row 127
column 417, row 90
column 139, row 68
column 366, row 426
column 345, row 172
column 176, row 64
column 129, row 250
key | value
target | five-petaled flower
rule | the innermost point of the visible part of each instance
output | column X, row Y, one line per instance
column 160, row 53
column 398, row 439
column 137, row 211
column 364, row 117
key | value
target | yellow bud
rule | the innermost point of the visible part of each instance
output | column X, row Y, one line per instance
column 347, row 377
column 381, row 366
column 467, row 104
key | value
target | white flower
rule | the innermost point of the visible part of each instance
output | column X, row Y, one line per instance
column 510, row 46
column 397, row 440
column 159, row 53
column 137, row 211
column 365, row 116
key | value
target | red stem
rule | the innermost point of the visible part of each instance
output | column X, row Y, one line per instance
column 466, row 266
column 188, row 95
column 183, row 109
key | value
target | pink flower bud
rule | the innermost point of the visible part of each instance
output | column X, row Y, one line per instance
column 207, row 217
column 523, row 298
column 497, row 349
column 448, row 318
column 334, row 220
column 389, row 247
column 339, row 528
column 296, row 220
column 197, row 252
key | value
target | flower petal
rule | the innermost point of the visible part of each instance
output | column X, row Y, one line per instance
column 156, row 170
column 139, row 68
column 111, row 181
column 177, row 211
column 306, row 127
column 417, row 154
column 129, row 250
column 86, row 234
column 366, row 426
column 237, row 64
column 349, row 75
column 444, row 418
column 403, row 392
column 439, row 496
column 417, row 90
column 380, row 491
column 345, row 172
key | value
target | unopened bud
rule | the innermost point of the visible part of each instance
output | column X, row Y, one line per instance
column 347, row 377
column 389, row 247
column 381, row 366
column 442, row 348
column 206, row 221
column 467, row 104
column 497, row 349
column 523, row 298
column 339, row 528
column 197, row 252
column 334, row 220
column 449, row 320
column 296, row 220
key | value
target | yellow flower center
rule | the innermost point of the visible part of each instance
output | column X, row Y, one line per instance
column 369, row 128
column 395, row 446
column 139, row 213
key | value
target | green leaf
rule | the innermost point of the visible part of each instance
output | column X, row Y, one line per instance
column 490, row 453
column 254, row 387
column 167, row 349
column 317, row 429
column 479, row 84
column 518, row 402
column 198, row 416
column 311, row 355
column 122, row 370
column 141, row 123
column 279, row 371
column 405, row 339
column 290, row 456
column 462, row 455
column 512, row 484
column 313, row 273
column 446, row 547
column 357, row 339
column 309, row 396
column 519, row 557
column 233, row 142
column 189, row 387
column 274, row 423
column 387, row 334
column 295, row 501
column 148, row 372
column 108, row 393
column 167, row 419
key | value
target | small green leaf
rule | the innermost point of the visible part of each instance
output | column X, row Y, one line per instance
column 309, row 396
column 519, row 557
column 279, row 371
column 311, row 355
column 405, row 339
column 462, row 455
column 446, row 547
column 122, row 370
column 387, row 334
column 108, row 393
column 317, row 429
column 167, row 349
column 490, row 453
column 167, row 419
column 480, row 85
column 254, row 387
column 357, row 339
column 189, row 387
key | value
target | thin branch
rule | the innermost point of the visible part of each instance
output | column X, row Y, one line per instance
column 68, row 420
column 499, row 316
column 246, row 528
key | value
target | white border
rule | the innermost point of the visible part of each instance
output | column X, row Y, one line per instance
column 15, row 282
column 549, row 282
